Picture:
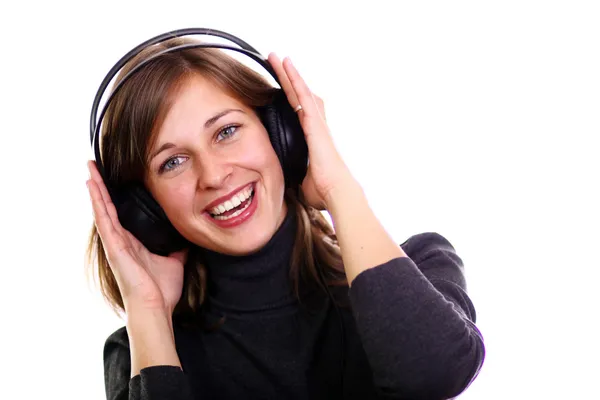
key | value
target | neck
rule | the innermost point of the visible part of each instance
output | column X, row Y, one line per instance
column 256, row 282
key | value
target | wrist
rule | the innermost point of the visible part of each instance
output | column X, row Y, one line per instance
column 154, row 307
column 151, row 339
column 346, row 191
column 140, row 319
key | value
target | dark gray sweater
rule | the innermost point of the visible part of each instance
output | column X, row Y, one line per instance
column 408, row 333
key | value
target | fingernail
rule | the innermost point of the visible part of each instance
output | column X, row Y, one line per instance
column 292, row 65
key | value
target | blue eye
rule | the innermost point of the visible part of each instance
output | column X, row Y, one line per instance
column 227, row 132
column 171, row 164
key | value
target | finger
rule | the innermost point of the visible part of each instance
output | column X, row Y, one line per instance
column 320, row 105
column 102, row 219
column 95, row 175
column 289, row 89
column 110, row 207
column 286, row 85
column 303, row 93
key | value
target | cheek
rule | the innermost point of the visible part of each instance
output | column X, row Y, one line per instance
column 260, row 156
column 175, row 197
column 268, row 162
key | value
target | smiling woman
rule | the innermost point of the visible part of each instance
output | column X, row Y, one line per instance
column 195, row 113
column 248, row 304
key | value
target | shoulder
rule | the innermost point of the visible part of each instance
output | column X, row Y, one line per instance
column 435, row 257
column 117, row 364
column 118, row 338
column 117, row 344
column 422, row 244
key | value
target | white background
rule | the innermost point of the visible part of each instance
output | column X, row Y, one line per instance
column 477, row 120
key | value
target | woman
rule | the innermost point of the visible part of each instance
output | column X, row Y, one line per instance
column 241, row 312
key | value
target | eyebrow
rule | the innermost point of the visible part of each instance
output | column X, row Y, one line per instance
column 209, row 122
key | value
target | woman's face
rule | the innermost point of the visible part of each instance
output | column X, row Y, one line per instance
column 212, row 153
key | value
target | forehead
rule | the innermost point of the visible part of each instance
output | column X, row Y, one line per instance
column 201, row 94
column 195, row 100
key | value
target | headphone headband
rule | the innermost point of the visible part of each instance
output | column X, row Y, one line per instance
column 96, row 122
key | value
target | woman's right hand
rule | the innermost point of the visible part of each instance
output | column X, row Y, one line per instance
column 146, row 280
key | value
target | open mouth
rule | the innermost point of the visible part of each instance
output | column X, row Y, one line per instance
column 234, row 206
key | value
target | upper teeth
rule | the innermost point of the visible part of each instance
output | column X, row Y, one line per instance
column 235, row 201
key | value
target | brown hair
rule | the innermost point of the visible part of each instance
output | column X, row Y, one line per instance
column 129, row 128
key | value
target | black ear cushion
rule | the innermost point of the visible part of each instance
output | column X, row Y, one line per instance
column 270, row 120
column 287, row 138
column 141, row 215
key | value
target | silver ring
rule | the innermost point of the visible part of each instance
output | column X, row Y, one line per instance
column 298, row 108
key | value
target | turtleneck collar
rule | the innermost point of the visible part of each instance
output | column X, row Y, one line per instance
column 255, row 282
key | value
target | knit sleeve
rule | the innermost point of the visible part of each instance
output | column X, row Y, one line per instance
column 153, row 383
column 417, row 323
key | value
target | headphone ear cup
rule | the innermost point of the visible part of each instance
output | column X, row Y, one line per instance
column 141, row 215
column 287, row 138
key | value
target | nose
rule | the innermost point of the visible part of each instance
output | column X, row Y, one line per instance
column 213, row 172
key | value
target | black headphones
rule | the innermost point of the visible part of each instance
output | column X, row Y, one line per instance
column 138, row 212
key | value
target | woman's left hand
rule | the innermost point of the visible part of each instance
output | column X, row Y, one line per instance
column 326, row 169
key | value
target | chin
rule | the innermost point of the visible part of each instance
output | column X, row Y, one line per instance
column 246, row 247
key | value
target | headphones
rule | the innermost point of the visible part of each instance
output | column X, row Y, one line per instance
column 138, row 212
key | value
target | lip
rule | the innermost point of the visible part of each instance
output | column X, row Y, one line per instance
column 240, row 219
column 228, row 196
